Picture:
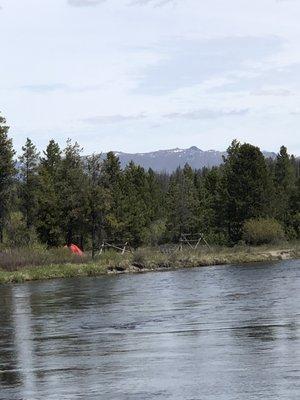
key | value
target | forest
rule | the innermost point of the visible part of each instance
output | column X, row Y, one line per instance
column 59, row 197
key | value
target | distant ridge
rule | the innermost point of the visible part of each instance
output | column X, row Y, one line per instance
column 169, row 160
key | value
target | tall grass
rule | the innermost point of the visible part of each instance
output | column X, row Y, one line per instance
column 14, row 259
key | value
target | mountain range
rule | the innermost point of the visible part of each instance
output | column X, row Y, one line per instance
column 169, row 160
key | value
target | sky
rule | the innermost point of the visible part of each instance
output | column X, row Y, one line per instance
column 143, row 75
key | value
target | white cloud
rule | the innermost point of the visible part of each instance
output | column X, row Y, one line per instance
column 206, row 114
column 273, row 92
column 113, row 119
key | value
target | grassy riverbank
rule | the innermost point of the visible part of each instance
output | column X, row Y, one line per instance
column 144, row 260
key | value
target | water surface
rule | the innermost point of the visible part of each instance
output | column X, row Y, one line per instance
column 228, row 333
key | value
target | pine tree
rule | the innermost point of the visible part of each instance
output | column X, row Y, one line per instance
column 285, row 180
column 184, row 208
column 156, row 197
column 136, row 203
column 112, row 182
column 49, row 214
column 98, row 199
column 295, row 209
column 213, row 204
column 52, row 158
column 29, row 162
column 73, row 199
column 7, row 173
column 247, row 187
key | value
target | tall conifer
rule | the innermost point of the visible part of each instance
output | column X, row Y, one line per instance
column 29, row 162
column 7, row 173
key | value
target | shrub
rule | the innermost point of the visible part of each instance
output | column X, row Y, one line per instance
column 262, row 231
column 217, row 238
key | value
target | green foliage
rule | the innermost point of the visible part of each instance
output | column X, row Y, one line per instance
column 49, row 213
column 136, row 203
column 296, row 224
column 263, row 231
column 29, row 182
column 17, row 233
column 156, row 202
column 7, row 173
column 112, row 182
column 247, row 187
column 294, row 229
column 98, row 201
column 155, row 233
column 183, row 203
column 285, row 181
column 73, row 194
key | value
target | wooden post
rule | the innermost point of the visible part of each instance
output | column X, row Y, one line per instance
column 124, row 248
column 197, row 244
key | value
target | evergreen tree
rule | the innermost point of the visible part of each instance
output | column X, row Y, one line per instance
column 112, row 182
column 29, row 162
column 52, row 158
column 184, row 211
column 156, row 197
column 73, row 190
column 284, row 184
column 214, row 198
column 137, row 206
column 49, row 214
column 7, row 173
column 295, row 209
column 247, row 187
column 98, row 199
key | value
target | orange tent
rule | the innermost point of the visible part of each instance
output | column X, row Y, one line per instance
column 75, row 250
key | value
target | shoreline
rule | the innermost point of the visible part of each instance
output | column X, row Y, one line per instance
column 149, row 262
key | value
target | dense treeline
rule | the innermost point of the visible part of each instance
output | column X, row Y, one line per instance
column 60, row 197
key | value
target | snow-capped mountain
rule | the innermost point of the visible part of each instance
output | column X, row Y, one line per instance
column 169, row 160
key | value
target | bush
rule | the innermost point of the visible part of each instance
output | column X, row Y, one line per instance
column 217, row 238
column 262, row 231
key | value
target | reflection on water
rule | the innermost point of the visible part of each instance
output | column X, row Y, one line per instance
column 228, row 333
column 23, row 337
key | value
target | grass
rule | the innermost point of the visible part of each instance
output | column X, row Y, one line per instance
column 21, row 265
column 37, row 255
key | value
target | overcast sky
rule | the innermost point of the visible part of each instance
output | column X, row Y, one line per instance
column 141, row 75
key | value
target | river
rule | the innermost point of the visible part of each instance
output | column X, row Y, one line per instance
column 228, row 333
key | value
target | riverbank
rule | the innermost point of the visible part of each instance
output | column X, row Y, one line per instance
column 145, row 260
